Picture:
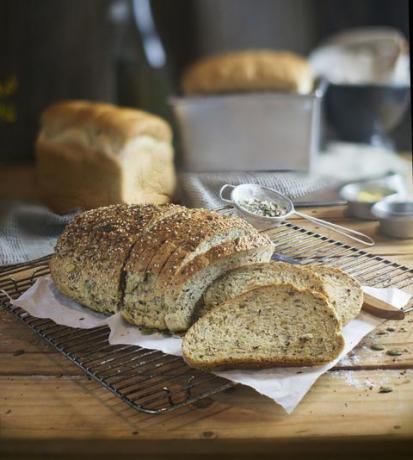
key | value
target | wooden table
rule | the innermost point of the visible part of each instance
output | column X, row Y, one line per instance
column 47, row 406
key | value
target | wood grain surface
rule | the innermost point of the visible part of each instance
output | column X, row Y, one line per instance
column 49, row 408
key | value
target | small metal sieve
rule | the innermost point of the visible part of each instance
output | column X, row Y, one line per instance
column 245, row 192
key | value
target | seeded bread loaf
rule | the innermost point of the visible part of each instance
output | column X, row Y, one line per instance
column 249, row 70
column 269, row 326
column 132, row 258
column 342, row 291
column 90, row 254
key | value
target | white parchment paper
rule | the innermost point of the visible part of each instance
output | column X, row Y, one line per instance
column 286, row 386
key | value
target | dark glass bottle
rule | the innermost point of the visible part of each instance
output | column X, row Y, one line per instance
column 50, row 50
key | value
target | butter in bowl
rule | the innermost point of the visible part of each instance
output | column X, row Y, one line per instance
column 362, row 196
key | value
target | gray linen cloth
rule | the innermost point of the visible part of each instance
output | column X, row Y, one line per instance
column 28, row 230
column 202, row 189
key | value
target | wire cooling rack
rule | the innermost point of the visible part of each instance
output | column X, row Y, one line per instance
column 153, row 382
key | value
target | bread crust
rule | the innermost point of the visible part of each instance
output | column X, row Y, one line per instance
column 230, row 364
column 185, row 251
column 251, row 70
column 102, row 122
column 181, row 249
column 173, row 278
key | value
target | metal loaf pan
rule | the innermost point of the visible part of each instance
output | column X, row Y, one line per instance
column 249, row 132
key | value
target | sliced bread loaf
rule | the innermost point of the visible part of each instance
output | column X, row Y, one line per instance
column 343, row 291
column 269, row 326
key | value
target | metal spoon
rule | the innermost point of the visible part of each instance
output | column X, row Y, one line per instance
column 244, row 192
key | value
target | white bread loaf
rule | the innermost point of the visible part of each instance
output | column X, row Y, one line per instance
column 93, row 154
column 249, row 70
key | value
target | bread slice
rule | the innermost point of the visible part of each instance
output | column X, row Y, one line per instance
column 343, row 291
column 90, row 254
column 269, row 326
column 168, row 301
column 244, row 279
